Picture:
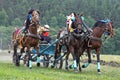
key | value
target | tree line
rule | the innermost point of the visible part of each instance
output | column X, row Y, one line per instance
column 14, row 12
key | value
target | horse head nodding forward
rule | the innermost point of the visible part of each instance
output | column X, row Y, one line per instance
column 35, row 16
column 102, row 26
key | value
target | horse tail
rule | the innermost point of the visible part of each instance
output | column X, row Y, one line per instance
column 21, row 44
column 13, row 36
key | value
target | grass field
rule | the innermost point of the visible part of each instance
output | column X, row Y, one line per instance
column 10, row 72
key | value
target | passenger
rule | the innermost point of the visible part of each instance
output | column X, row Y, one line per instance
column 45, row 34
column 27, row 22
column 70, row 20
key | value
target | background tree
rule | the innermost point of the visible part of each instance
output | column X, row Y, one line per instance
column 14, row 12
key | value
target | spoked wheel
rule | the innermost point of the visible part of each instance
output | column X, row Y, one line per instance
column 46, row 60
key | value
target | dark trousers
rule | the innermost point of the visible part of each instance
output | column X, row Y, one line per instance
column 46, row 38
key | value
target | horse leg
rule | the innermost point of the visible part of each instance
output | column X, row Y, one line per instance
column 74, row 60
column 98, row 60
column 23, row 55
column 66, row 58
column 66, row 61
column 15, row 55
column 89, row 59
column 29, row 57
column 78, row 63
column 58, row 50
column 21, row 52
column 38, row 56
column 57, row 54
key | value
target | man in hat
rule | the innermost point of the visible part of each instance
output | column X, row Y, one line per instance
column 27, row 21
column 70, row 20
column 45, row 34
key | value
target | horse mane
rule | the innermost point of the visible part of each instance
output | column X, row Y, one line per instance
column 99, row 24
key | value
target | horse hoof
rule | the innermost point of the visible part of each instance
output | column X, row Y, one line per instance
column 83, row 66
column 30, row 67
column 76, row 70
column 52, row 66
column 66, row 68
column 80, row 70
column 9, row 52
column 25, row 65
column 70, row 67
column 99, row 73
column 38, row 64
column 17, row 64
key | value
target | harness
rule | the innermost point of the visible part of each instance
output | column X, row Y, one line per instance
column 30, row 17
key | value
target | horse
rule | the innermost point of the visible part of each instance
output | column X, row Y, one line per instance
column 30, row 39
column 94, row 41
column 71, row 42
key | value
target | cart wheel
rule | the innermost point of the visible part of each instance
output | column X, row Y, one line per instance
column 59, row 64
column 46, row 61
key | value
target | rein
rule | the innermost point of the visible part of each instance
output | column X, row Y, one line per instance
column 33, row 35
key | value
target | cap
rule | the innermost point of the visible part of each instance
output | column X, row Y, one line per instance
column 47, row 26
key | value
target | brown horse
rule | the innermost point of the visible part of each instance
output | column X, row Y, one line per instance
column 71, row 42
column 94, row 41
column 31, row 39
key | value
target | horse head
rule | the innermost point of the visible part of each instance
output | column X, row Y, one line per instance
column 35, row 22
column 78, row 22
column 35, row 17
column 74, row 22
column 110, row 28
column 102, row 26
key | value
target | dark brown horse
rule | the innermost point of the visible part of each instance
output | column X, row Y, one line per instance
column 31, row 39
column 94, row 41
column 71, row 42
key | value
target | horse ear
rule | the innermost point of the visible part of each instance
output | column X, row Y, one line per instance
column 78, row 14
column 111, row 19
column 38, row 12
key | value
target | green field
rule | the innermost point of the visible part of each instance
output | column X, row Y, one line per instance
column 10, row 72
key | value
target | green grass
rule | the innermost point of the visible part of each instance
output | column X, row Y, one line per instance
column 8, row 71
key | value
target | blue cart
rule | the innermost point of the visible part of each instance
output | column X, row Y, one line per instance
column 47, row 52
